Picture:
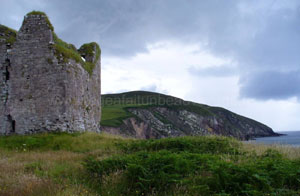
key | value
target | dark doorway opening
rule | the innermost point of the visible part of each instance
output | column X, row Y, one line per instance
column 6, row 73
column 13, row 126
column 12, row 123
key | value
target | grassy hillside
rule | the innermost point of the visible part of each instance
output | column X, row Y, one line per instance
column 115, row 106
column 93, row 164
column 165, row 116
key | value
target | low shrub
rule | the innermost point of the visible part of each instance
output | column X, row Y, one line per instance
column 194, row 166
column 149, row 172
column 202, row 144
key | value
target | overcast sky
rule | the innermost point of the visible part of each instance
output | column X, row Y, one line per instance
column 243, row 55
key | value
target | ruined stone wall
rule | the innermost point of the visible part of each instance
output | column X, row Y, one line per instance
column 46, row 92
column 5, row 119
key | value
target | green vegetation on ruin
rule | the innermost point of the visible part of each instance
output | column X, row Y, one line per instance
column 90, row 49
column 62, row 49
column 8, row 34
column 42, row 14
column 69, row 51
column 65, row 50
column 36, row 13
column 91, row 164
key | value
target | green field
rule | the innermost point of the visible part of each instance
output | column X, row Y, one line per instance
column 91, row 164
column 113, row 115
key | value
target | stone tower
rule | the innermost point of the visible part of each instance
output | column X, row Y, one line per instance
column 46, row 84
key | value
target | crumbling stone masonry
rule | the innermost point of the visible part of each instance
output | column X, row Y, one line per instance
column 46, row 84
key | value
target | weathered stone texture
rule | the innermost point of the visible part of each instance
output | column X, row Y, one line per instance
column 45, row 93
column 4, row 87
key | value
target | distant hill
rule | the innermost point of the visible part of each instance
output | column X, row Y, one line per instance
column 144, row 114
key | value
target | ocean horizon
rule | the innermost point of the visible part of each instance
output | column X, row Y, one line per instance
column 291, row 138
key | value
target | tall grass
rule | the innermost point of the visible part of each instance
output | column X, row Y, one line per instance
column 60, row 141
column 90, row 164
column 199, row 166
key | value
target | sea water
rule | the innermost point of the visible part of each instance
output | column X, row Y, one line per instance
column 291, row 138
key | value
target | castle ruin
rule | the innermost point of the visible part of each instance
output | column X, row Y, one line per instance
column 46, row 84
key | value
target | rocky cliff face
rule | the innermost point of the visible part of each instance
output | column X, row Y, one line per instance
column 46, row 84
column 179, row 118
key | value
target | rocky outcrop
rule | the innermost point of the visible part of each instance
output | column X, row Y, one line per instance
column 159, row 122
column 46, row 84
column 181, row 118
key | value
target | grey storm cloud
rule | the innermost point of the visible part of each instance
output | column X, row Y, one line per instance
column 262, row 37
column 125, row 27
column 220, row 71
column 272, row 85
